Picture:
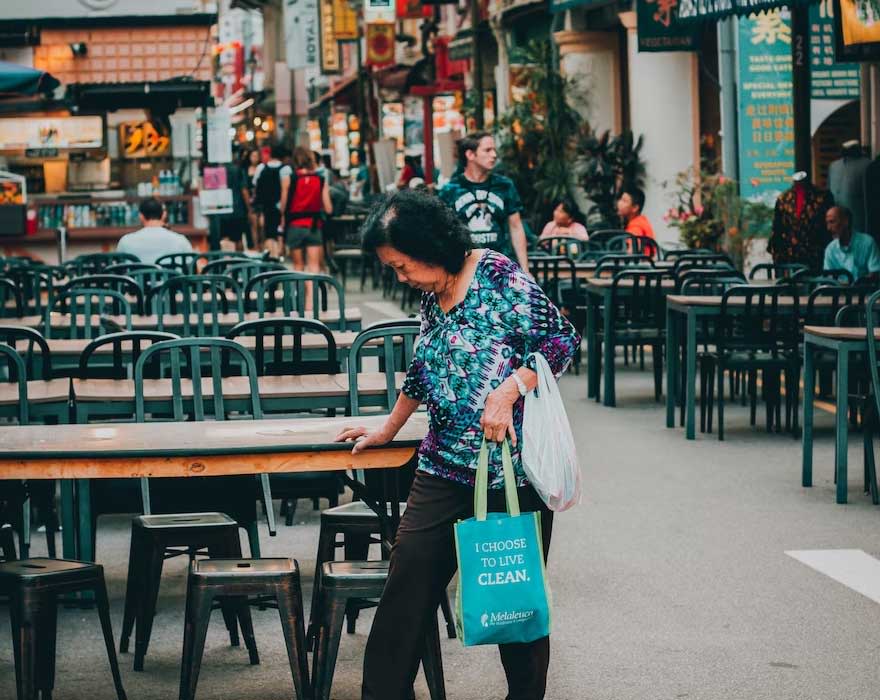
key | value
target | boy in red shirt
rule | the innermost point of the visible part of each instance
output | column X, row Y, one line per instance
column 629, row 208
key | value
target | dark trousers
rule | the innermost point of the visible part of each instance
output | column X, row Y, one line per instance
column 422, row 564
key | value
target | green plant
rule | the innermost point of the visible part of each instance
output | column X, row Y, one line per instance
column 538, row 135
column 607, row 163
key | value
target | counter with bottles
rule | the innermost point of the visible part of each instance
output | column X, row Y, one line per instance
column 95, row 223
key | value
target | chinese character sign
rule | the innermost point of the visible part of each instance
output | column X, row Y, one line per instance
column 659, row 29
column 829, row 80
column 766, row 115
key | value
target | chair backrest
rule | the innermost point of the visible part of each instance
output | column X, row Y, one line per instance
column 16, row 373
column 759, row 318
column 644, row 303
column 11, row 300
column 673, row 254
column 394, row 323
column 613, row 262
column 562, row 245
column 707, row 281
column 262, row 295
column 210, row 256
column 201, row 299
column 554, row 274
column 278, row 346
column 839, row 275
column 826, row 300
column 717, row 261
column 125, row 285
column 243, row 271
column 94, row 263
column 126, row 347
column 645, row 245
column 85, row 308
column 193, row 359
column 32, row 347
column 36, row 286
column 621, row 243
column 184, row 263
column 871, row 322
column 602, row 236
column 395, row 350
column 146, row 275
column 773, row 271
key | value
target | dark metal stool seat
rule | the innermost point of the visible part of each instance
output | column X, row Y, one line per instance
column 155, row 538
column 33, row 587
column 341, row 582
column 236, row 580
column 359, row 526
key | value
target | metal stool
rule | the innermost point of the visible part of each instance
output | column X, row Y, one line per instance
column 359, row 526
column 237, row 579
column 155, row 538
column 33, row 586
column 341, row 582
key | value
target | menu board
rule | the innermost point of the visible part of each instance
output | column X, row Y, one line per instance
column 68, row 133
column 829, row 80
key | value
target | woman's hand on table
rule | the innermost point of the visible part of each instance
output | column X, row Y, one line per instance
column 363, row 438
column 497, row 420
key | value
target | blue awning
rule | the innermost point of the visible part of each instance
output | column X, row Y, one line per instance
column 22, row 80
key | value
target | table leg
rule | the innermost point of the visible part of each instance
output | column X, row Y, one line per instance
column 842, row 427
column 807, row 437
column 691, row 383
column 672, row 368
column 68, row 520
column 608, row 349
column 592, row 354
column 84, row 501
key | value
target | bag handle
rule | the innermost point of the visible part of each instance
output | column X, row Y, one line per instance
column 481, row 487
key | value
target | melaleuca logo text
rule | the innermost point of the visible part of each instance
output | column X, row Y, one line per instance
column 506, row 617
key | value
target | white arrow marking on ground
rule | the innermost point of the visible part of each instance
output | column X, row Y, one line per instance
column 853, row 568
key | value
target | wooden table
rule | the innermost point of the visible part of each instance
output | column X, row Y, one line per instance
column 599, row 292
column 77, row 453
column 843, row 342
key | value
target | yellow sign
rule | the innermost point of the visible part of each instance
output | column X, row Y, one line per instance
column 330, row 62
column 143, row 139
column 345, row 21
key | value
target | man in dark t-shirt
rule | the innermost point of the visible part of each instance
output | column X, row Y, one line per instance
column 488, row 203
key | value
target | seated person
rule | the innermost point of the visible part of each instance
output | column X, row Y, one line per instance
column 850, row 250
column 563, row 223
column 629, row 207
column 154, row 240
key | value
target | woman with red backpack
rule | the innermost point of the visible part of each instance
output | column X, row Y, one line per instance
column 307, row 198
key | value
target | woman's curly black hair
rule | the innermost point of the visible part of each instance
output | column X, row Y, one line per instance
column 418, row 224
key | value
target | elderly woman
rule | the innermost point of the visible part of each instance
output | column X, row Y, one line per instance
column 482, row 318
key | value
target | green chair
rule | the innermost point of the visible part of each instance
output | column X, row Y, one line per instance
column 196, row 358
column 395, row 351
column 562, row 245
column 36, row 286
column 125, row 285
column 11, row 299
column 15, row 504
column 614, row 262
column 243, row 271
column 147, row 276
column 182, row 263
column 201, row 299
column 85, row 310
column 262, row 294
column 775, row 271
column 872, row 417
column 94, row 263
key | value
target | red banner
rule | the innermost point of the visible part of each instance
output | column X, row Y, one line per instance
column 413, row 9
column 380, row 43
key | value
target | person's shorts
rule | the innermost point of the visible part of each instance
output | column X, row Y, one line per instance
column 303, row 237
column 271, row 221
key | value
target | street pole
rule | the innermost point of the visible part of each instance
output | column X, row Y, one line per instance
column 800, row 84
column 727, row 75
column 477, row 63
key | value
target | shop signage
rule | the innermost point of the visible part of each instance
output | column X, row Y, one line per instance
column 766, row 115
column 380, row 11
column 65, row 133
column 660, row 30
column 330, row 61
column 829, row 80
column 41, row 152
column 301, row 33
column 412, row 9
column 345, row 21
column 380, row 43
column 143, row 139
column 857, row 30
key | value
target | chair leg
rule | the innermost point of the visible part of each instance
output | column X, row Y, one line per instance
column 103, row 605
column 46, row 633
column 328, row 649
column 198, row 616
column 22, row 614
column 24, row 534
column 753, row 394
column 720, row 368
column 253, row 534
column 357, row 548
column 241, row 610
column 710, row 402
column 146, row 611
column 657, row 361
column 446, row 609
column 432, row 662
column 133, row 588
column 228, row 608
column 326, row 545
column 704, row 395
column 290, row 610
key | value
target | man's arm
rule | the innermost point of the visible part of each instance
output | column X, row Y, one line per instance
column 285, row 189
column 325, row 197
column 518, row 240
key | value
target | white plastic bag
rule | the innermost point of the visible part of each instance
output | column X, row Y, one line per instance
column 548, row 452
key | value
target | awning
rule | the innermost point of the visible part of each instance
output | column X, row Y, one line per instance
column 164, row 96
column 18, row 80
column 335, row 92
column 690, row 10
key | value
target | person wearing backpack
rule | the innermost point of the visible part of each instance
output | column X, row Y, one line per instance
column 307, row 198
column 267, row 197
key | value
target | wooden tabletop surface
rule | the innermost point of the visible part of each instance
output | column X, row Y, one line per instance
column 684, row 300
column 838, row 333
column 217, row 448
column 607, row 282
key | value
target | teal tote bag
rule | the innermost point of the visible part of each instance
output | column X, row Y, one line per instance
column 503, row 596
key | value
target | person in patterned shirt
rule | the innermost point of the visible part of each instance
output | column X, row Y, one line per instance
column 482, row 319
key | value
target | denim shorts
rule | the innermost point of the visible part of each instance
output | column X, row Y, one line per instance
column 303, row 237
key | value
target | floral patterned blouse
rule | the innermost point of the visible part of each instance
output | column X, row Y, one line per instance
column 464, row 354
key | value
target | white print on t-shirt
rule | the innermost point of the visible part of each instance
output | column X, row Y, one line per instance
column 479, row 209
